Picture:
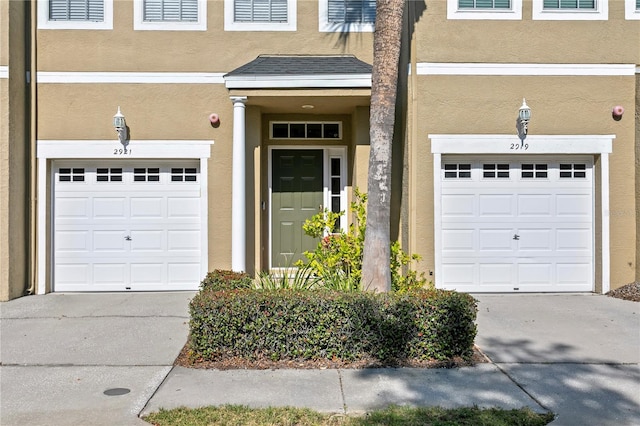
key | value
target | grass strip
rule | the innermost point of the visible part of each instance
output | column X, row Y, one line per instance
column 230, row 415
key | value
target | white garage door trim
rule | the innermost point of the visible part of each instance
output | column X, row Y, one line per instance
column 533, row 145
column 48, row 150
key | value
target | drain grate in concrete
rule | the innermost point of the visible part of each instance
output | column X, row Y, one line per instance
column 117, row 391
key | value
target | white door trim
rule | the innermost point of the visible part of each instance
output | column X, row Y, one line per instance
column 329, row 151
column 48, row 150
column 535, row 144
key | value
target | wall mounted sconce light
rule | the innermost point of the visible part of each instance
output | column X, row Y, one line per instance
column 120, row 124
column 524, row 115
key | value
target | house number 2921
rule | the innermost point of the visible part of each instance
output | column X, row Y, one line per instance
column 121, row 151
column 519, row 146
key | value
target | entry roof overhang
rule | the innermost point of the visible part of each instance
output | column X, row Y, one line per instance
column 301, row 71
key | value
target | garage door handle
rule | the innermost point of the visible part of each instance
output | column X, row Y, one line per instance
column 128, row 238
column 516, row 237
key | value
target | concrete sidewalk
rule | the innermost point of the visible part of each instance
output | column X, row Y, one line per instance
column 575, row 355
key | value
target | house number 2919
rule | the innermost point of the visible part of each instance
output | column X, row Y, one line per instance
column 121, row 151
column 519, row 146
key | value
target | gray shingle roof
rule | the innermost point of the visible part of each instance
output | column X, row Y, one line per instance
column 302, row 65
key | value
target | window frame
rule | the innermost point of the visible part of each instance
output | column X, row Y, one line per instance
column 324, row 26
column 514, row 13
column 600, row 13
column 630, row 10
column 44, row 23
column 231, row 25
column 140, row 25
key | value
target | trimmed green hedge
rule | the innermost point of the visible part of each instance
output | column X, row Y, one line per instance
column 286, row 324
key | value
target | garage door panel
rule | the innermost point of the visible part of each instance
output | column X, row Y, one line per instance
column 183, row 240
column 147, row 273
column 73, row 241
column 183, row 207
column 516, row 231
column 496, row 205
column 73, row 274
column 147, row 240
column 147, row 207
column 109, row 241
column 183, row 273
column 496, row 273
column 574, row 205
column 496, row 239
column 127, row 225
column 113, row 207
column 72, row 208
column 458, row 205
column 535, row 205
column 110, row 273
column 458, row 240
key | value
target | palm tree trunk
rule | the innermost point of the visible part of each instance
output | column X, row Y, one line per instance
column 376, row 273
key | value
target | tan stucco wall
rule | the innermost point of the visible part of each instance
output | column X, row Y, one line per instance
column 526, row 40
column 214, row 50
column 13, row 154
column 637, row 145
column 560, row 105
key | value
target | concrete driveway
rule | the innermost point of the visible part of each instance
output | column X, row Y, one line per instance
column 578, row 355
column 60, row 353
column 101, row 359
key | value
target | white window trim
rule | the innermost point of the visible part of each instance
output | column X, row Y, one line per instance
column 330, row 151
column 290, row 25
column 140, row 25
column 515, row 13
column 538, row 144
column 45, row 24
column 324, row 26
column 48, row 150
column 630, row 11
column 600, row 13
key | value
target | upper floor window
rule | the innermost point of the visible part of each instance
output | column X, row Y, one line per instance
column 347, row 15
column 484, row 9
column 75, row 14
column 579, row 10
column 260, row 15
column 632, row 9
column 170, row 15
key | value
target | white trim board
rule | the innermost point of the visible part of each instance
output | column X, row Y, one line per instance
column 4, row 71
column 299, row 81
column 442, row 68
column 104, row 149
column 68, row 77
column 538, row 144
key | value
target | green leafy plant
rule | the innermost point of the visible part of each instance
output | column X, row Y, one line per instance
column 334, row 325
column 337, row 259
column 302, row 278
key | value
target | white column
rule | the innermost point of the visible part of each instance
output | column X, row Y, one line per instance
column 604, row 202
column 238, row 197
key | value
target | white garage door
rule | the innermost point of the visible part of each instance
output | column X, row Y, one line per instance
column 123, row 225
column 517, row 224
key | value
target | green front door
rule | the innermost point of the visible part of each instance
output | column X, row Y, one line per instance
column 297, row 194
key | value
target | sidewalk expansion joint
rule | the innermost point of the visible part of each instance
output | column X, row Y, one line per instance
column 155, row 391
column 344, row 401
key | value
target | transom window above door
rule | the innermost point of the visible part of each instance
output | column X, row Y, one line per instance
column 305, row 130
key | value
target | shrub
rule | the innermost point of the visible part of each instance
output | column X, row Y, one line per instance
column 291, row 324
column 337, row 259
column 226, row 280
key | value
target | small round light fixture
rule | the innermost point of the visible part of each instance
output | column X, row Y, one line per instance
column 308, row 106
